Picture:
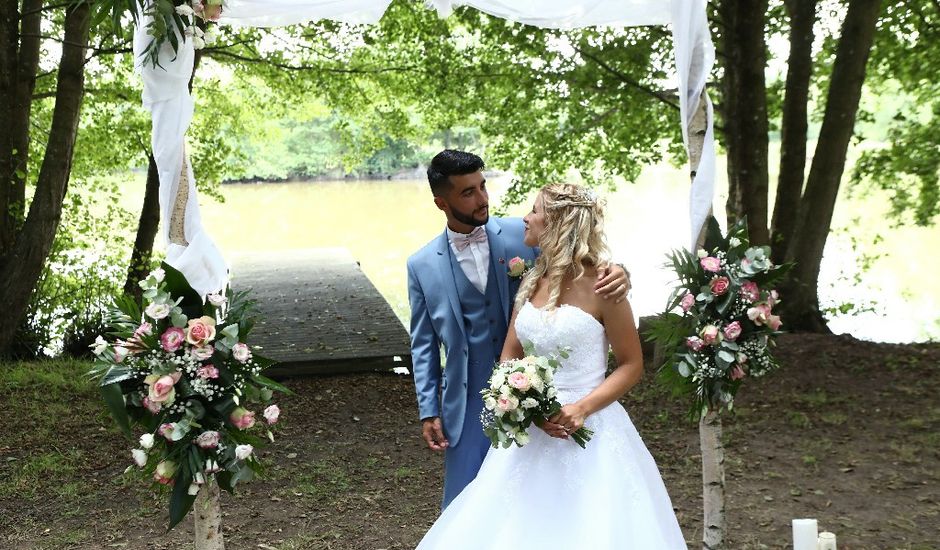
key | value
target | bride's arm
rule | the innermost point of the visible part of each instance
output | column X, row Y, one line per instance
column 512, row 347
column 625, row 341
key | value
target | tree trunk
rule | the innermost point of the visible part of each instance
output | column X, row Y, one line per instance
column 208, row 517
column 801, row 300
column 21, row 266
column 9, row 37
column 27, row 63
column 794, row 126
column 146, row 233
column 744, row 96
column 713, row 481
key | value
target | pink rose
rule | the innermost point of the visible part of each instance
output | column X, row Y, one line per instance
column 241, row 353
column 506, row 403
column 759, row 313
column 719, row 285
column 201, row 330
column 749, row 291
column 172, row 339
column 207, row 372
column 166, row 430
column 208, row 440
column 162, row 387
column 732, row 331
column 710, row 263
column 516, row 267
column 145, row 329
column 745, row 264
column 120, row 352
column 242, row 418
column 774, row 298
column 202, row 352
column 152, row 406
column 774, row 322
column 687, row 302
column 165, row 472
column 711, row 335
column 271, row 414
column 694, row 343
column 520, row 381
column 737, row 373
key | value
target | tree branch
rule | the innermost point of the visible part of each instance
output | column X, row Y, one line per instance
column 627, row 80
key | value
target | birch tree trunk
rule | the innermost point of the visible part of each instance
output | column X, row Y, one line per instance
column 713, row 481
column 713, row 456
column 208, row 512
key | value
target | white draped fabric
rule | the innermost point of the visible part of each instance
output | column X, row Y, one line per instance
column 167, row 96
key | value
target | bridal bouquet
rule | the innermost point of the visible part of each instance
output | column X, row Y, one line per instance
column 522, row 391
column 181, row 369
column 719, row 325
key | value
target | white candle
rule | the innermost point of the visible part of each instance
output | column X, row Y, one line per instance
column 826, row 541
column 804, row 534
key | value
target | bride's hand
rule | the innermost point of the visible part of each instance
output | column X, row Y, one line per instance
column 570, row 418
column 552, row 429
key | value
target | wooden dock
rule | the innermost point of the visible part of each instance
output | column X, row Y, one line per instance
column 320, row 314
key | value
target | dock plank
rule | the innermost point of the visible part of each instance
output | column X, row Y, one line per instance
column 319, row 313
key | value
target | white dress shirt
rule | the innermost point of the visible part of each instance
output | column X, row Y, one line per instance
column 474, row 260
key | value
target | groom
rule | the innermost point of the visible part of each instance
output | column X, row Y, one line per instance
column 461, row 297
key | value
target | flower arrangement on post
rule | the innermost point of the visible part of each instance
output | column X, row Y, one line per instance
column 717, row 331
column 170, row 21
column 719, row 325
column 180, row 368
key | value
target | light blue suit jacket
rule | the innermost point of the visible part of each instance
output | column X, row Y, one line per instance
column 437, row 318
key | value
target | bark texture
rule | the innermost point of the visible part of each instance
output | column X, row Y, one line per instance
column 208, row 518
column 713, row 481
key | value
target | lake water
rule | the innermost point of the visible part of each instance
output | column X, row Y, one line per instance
column 383, row 222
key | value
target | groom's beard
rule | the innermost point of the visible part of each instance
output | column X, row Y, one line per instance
column 469, row 219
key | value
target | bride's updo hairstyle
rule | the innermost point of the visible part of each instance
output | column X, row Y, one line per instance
column 573, row 236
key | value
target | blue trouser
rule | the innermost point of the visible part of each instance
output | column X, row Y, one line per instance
column 462, row 461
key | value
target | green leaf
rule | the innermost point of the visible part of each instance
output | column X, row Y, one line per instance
column 114, row 398
column 181, row 502
column 268, row 383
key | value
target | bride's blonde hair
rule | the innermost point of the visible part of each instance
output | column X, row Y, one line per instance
column 573, row 236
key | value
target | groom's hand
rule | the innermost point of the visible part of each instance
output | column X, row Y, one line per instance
column 613, row 281
column 433, row 433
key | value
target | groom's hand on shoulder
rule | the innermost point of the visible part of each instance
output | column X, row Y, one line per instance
column 433, row 432
column 613, row 281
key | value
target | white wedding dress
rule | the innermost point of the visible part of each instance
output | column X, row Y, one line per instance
column 552, row 494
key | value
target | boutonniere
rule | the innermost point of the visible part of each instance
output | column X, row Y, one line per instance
column 518, row 267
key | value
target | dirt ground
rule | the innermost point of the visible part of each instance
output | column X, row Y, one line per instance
column 847, row 432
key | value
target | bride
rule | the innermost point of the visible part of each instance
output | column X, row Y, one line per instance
column 551, row 493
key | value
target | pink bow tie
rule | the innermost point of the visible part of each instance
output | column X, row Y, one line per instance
column 478, row 235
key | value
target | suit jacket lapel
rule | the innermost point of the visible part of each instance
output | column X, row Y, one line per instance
column 446, row 272
column 499, row 261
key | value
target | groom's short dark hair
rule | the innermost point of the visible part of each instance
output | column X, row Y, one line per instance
column 451, row 162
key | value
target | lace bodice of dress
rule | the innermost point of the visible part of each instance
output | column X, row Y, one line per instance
column 572, row 327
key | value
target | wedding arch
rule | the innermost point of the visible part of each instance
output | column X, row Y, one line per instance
column 193, row 252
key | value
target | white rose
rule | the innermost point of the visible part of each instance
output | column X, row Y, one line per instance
column 99, row 346
column 552, row 392
column 241, row 353
column 271, row 414
column 734, row 241
column 202, row 352
column 157, row 311
column 529, row 403
column 216, row 299
column 243, row 451
column 211, row 35
column 538, row 385
column 198, row 43
column 120, row 353
column 158, row 274
column 701, row 253
column 140, row 457
column 185, row 11
column 498, row 380
column 146, row 441
column 489, row 403
column 522, row 438
column 193, row 489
